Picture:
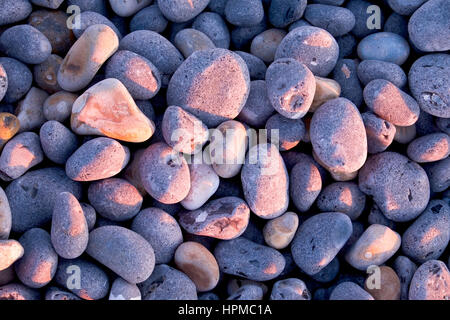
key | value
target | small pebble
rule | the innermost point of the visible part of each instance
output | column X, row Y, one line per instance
column 326, row 89
column 57, row 141
column 369, row 70
column 30, row 110
column 349, row 291
column 305, row 183
column 258, row 107
column 123, row 290
column 10, row 252
column 287, row 133
column 389, row 285
column 213, row 26
column 380, row 133
column 346, row 75
column 126, row 8
column 439, row 175
column 284, row 12
column 320, row 15
column 405, row 270
column 204, row 183
column 45, row 74
column 14, row 12
column 264, row 45
column 58, row 106
column 384, row 46
column 90, row 18
column 190, row 40
column 149, row 18
column 244, row 13
column 181, row 10
column 20, row 79
column 429, row 148
column 290, row 289
column 430, row 282
column 279, row 232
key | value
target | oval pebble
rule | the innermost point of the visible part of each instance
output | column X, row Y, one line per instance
column 389, row 285
column 190, row 40
column 439, row 175
column 212, row 25
column 430, row 282
column 284, row 12
column 204, row 183
column 429, row 148
column 258, row 107
column 90, row 18
column 279, row 232
column 244, row 13
column 384, row 46
column 326, row 89
column 29, row 110
column 17, row 291
column 20, row 79
column 181, row 10
column 11, row 12
column 58, row 106
column 149, row 18
column 345, row 74
column 126, row 8
column 284, row 132
column 45, row 73
column 57, row 141
column 10, row 252
column 265, row 44
column 290, row 289
column 380, row 133
column 320, row 15
column 123, row 290
column 369, row 70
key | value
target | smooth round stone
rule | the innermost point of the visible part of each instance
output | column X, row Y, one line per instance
column 3, row 82
column 29, row 110
column 305, row 183
column 190, row 40
column 9, row 126
column 363, row 14
column 181, row 10
column 183, row 131
column 69, row 231
column 38, row 264
column 287, row 133
column 213, row 26
column 5, row 216
column 398, row 186
column 17, row 291
column 244, row 258
column 199, row 264
column 326, row 89
column 20, row 154
column 290, row 289
column 93, row 284
column 139, row 75
column 164, row 173
column 405, row 270
column 157, row 49
column 319, row 239
column 345, row 74
column 161, row 230
column 369, row 70
column 108, row 109
column 97, row 159
column 384, row 46
column 405, row 8
column 115, row 199
column 213, row 85
column 266, row 43
column 406, row 134
column 328, row 273
column 123, row 251
column 320, row 15
column 204, row 183
column 58, row 106
column 241, row 37
column 167, row 283
column 279, row 232
column 312, row 46
column 390, row 103
column 57, row 141
column 244, row 13
column 256, row 67
column 86, row 56
column 284, row 12
column 123, row 290
column 56, row 294
column 228, row 144
column 90, row 18
column 224, row 218
column 126, row 8
column 428, row 81
column 349, row 291
column 45, row 74
column 31, row 197
column 11, row 12
column 374, row 247
column 149, row 18
column 290, row 87
column 338, row 122
column 439, row 175
column 264, row 170
column 10, row 252
column 131, row 173
column 89, row 214
column 258, row 107
column 247, row 293
column 429, row 148
column 427, row 24
column 380, row 133
column 342, row 197
column 25, row 43
column 20, row 79
column 430, row 282
column 428, row 236
column 389, row 285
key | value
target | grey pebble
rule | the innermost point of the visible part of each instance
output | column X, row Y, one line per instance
column 258, row 108
column 17, row 291
column 20, row 79
column 89, row 18
column 380, row 133
column 349, row 291
column 346, row 75
column 384, row 46
column 244, row 13
column 242, row 36
column 347, row 45
column 369, row 70
column 405, row 8
column 191, row 40
column 89, row 214
column 429, row 148
column 320, row 15
column 405, row 270
column 290, row 289
column 256, row 67
column 398, row 24
column 212, row 25
column 57, row 141
column 11, row 12
column 149, row 18
column 289, row 132
column 284, row 12
column 181, row 10
column 305, row 182
column 439, row 175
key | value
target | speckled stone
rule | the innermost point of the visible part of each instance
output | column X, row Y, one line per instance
column 369, row 70
column 213, row 25
column 430, row 282
column 346, row 75
column 17, row 291
column 89, row 214
column 256, row 67
column 10, row 252
column 57, row 141
column 123, row 290
column 320, row 15
column 380, row 133
column 244, row 13
column 20, row 79
column 191, row 40
column 429, row 148
column 181, row 10
column 290, row 289
column 29, row 110
column 279, row 232
column 258, row 107
column 439, row 175
column 287, row 133
column 149, row 18
column 305, row 183
column 14, row 12
column 405, row 270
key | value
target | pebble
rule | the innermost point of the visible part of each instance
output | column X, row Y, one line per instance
column 123, row 251
column 126, row 8
column 17, row 291
column 247, row 293
column 29, row 111
column 58, row 106
column 90, row 18
column 374, row 247
column 14, row 12
column 45, row 74
column 258, row 108
column 320, row 15
column 326, row 89
column 398, row 24
column 167, row 283
column 98, row 6
column 54, row 293
column 384, row 46
column 97, row 159
column 329, row 273
column 37, row 267
column 181, row 10
column 305, row 183
column 279, row 232
column 224, row 218
column 93, row 282
column 241, row 37
column 161, row 230
column 164, row 173
column 287, row 133
column 244, row 258
column 20, row 79
column 204, row 183
column 284, row 12
column 3, row 82
column 389, row 285
column 149, row 18
column 312, row 46
column 439, row 175
column 319, row 239
column 244, row 13
column 290, row 289
column 51, row 4
column 405, row 8
column 338, row 121
column 265, row 44
column 264, row 170
column 405, row 270
column 443, row 124
column 212, row 84
column 236, row 283
column 213, row 26
column 199, row 264
column 349, row 291
column 346, row 75
column 86, row 56
column 32, row 196
column 20, row 154
column 10, row 252
column 89, row 214
column 69, row 230
column 398, row 186
column 430, row 282
column 57, row 141
column 25, row 43
column 429, row 148
column 123, row 290
column 380, row 133
column 369, row 70
column 406, row 134
column 290, row 87
column 428, row 236
column 427, row 24
column 5, row 216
